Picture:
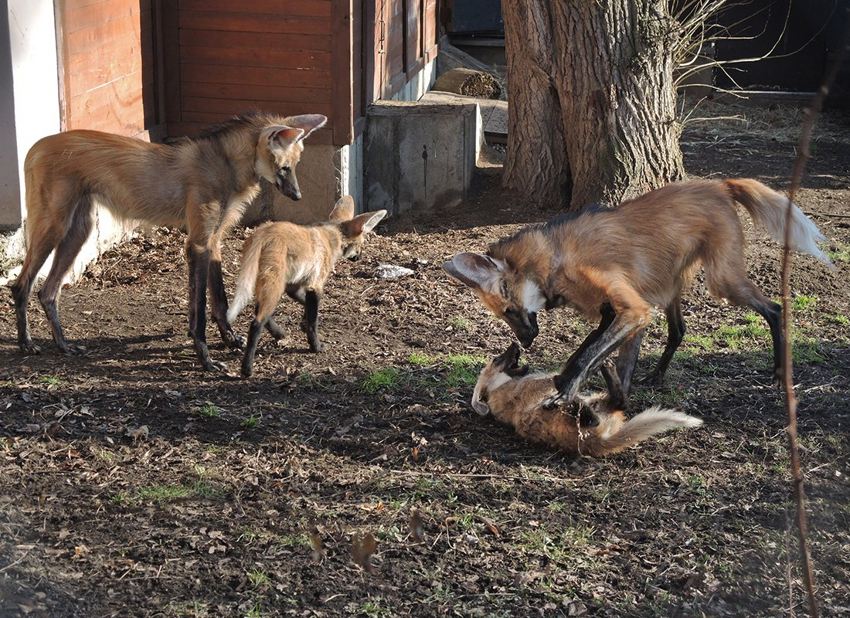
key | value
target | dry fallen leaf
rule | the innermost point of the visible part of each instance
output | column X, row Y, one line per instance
column 316, row 543
column 362, row 548
column 417, row 529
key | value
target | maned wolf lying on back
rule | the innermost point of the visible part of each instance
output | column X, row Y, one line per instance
column 640, row 255
column 589, row 426
column 203, row 185
column 297, row 259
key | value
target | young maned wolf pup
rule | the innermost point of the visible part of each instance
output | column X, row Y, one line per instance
column 297, row 259
column 591, row 426
column 203, row 185
column 636, row 257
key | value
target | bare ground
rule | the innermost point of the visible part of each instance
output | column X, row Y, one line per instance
column 133, row 484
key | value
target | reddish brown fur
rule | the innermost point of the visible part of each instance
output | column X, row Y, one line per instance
column 202, row 184
column 638, row 256
column 589, row 426
column 283, row 257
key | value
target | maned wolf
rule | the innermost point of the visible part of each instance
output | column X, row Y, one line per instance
column 591, row 426
column 203, row 185
column 297, row 259
column 637, row 256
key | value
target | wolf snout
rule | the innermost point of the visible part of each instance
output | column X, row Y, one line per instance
column 293, row 194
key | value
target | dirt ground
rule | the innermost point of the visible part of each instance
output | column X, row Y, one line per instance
column 358, row 482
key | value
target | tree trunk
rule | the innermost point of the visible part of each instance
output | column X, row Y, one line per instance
column 592, row 102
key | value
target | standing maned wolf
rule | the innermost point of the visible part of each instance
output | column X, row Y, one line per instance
column 202, row 184
column 297, row 259
column 637, row 256
column 593, row 426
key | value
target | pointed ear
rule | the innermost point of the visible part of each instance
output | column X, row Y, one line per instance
column 343, row 209
column 365, row 223
column 281, row 136
column 479, row 406
column 474, row 270
column 307, row 122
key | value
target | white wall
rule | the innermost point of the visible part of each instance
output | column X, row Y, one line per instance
column 29, row 103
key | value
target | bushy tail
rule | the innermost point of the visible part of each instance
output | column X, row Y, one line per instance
column 646, row 424
column 768, row 209
column 247, row 278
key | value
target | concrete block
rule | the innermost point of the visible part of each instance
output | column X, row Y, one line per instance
column 418, row 155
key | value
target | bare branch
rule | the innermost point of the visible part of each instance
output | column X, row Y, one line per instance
column 787, row 368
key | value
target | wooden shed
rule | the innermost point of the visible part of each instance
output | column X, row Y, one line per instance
column 169, row 68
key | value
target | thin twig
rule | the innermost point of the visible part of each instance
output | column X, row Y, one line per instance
column 787, row 363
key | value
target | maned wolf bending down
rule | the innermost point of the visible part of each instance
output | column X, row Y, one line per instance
column 637, row 256
column 202, row 184
column 593, row 426
column 297, row 259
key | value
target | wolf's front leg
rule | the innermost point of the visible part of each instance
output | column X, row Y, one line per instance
column 218, row 299
column 311, row 320
column 199, row 263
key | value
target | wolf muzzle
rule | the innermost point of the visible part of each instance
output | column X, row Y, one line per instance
column 288, row 185
column 525, row 328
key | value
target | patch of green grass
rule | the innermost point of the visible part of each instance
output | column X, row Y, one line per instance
column 161, row 493
column 305, row 379
column 294, row 540
column 258, row 578
column 463, row 369
column 256, row 611
column 697, row 483
column 802, row 303
column 118, row 498
column 371, row 608
column 839, row 253
column 806, row 350
column 252, row 422
column 187, row 609
column 839, row 318
column 209, row 409
column 460, row 323
column 560, row 547
column 699, row 341
column 736, row 337
column 382, row 379
column 50, row 380
column 421, row 360
column 204, row 489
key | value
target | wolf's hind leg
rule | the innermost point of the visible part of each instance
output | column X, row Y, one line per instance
column 675, row 335
column 275, row 330
column 82, row 221
column 22, row 289
column 311, row 319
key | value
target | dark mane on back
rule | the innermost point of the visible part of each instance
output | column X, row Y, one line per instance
column 237, row 122
column 548, row 226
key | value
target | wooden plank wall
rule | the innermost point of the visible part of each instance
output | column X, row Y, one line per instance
column 274, row 55
column 406, row 39
column 107, row 64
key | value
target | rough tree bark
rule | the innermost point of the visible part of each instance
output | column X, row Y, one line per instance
column 592, row 101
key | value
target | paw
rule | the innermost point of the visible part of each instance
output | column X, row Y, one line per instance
column 73, row 349
column 317, row 347
column 652, row 379
column 215, row 366
column 236, row 342
column 29, row 347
